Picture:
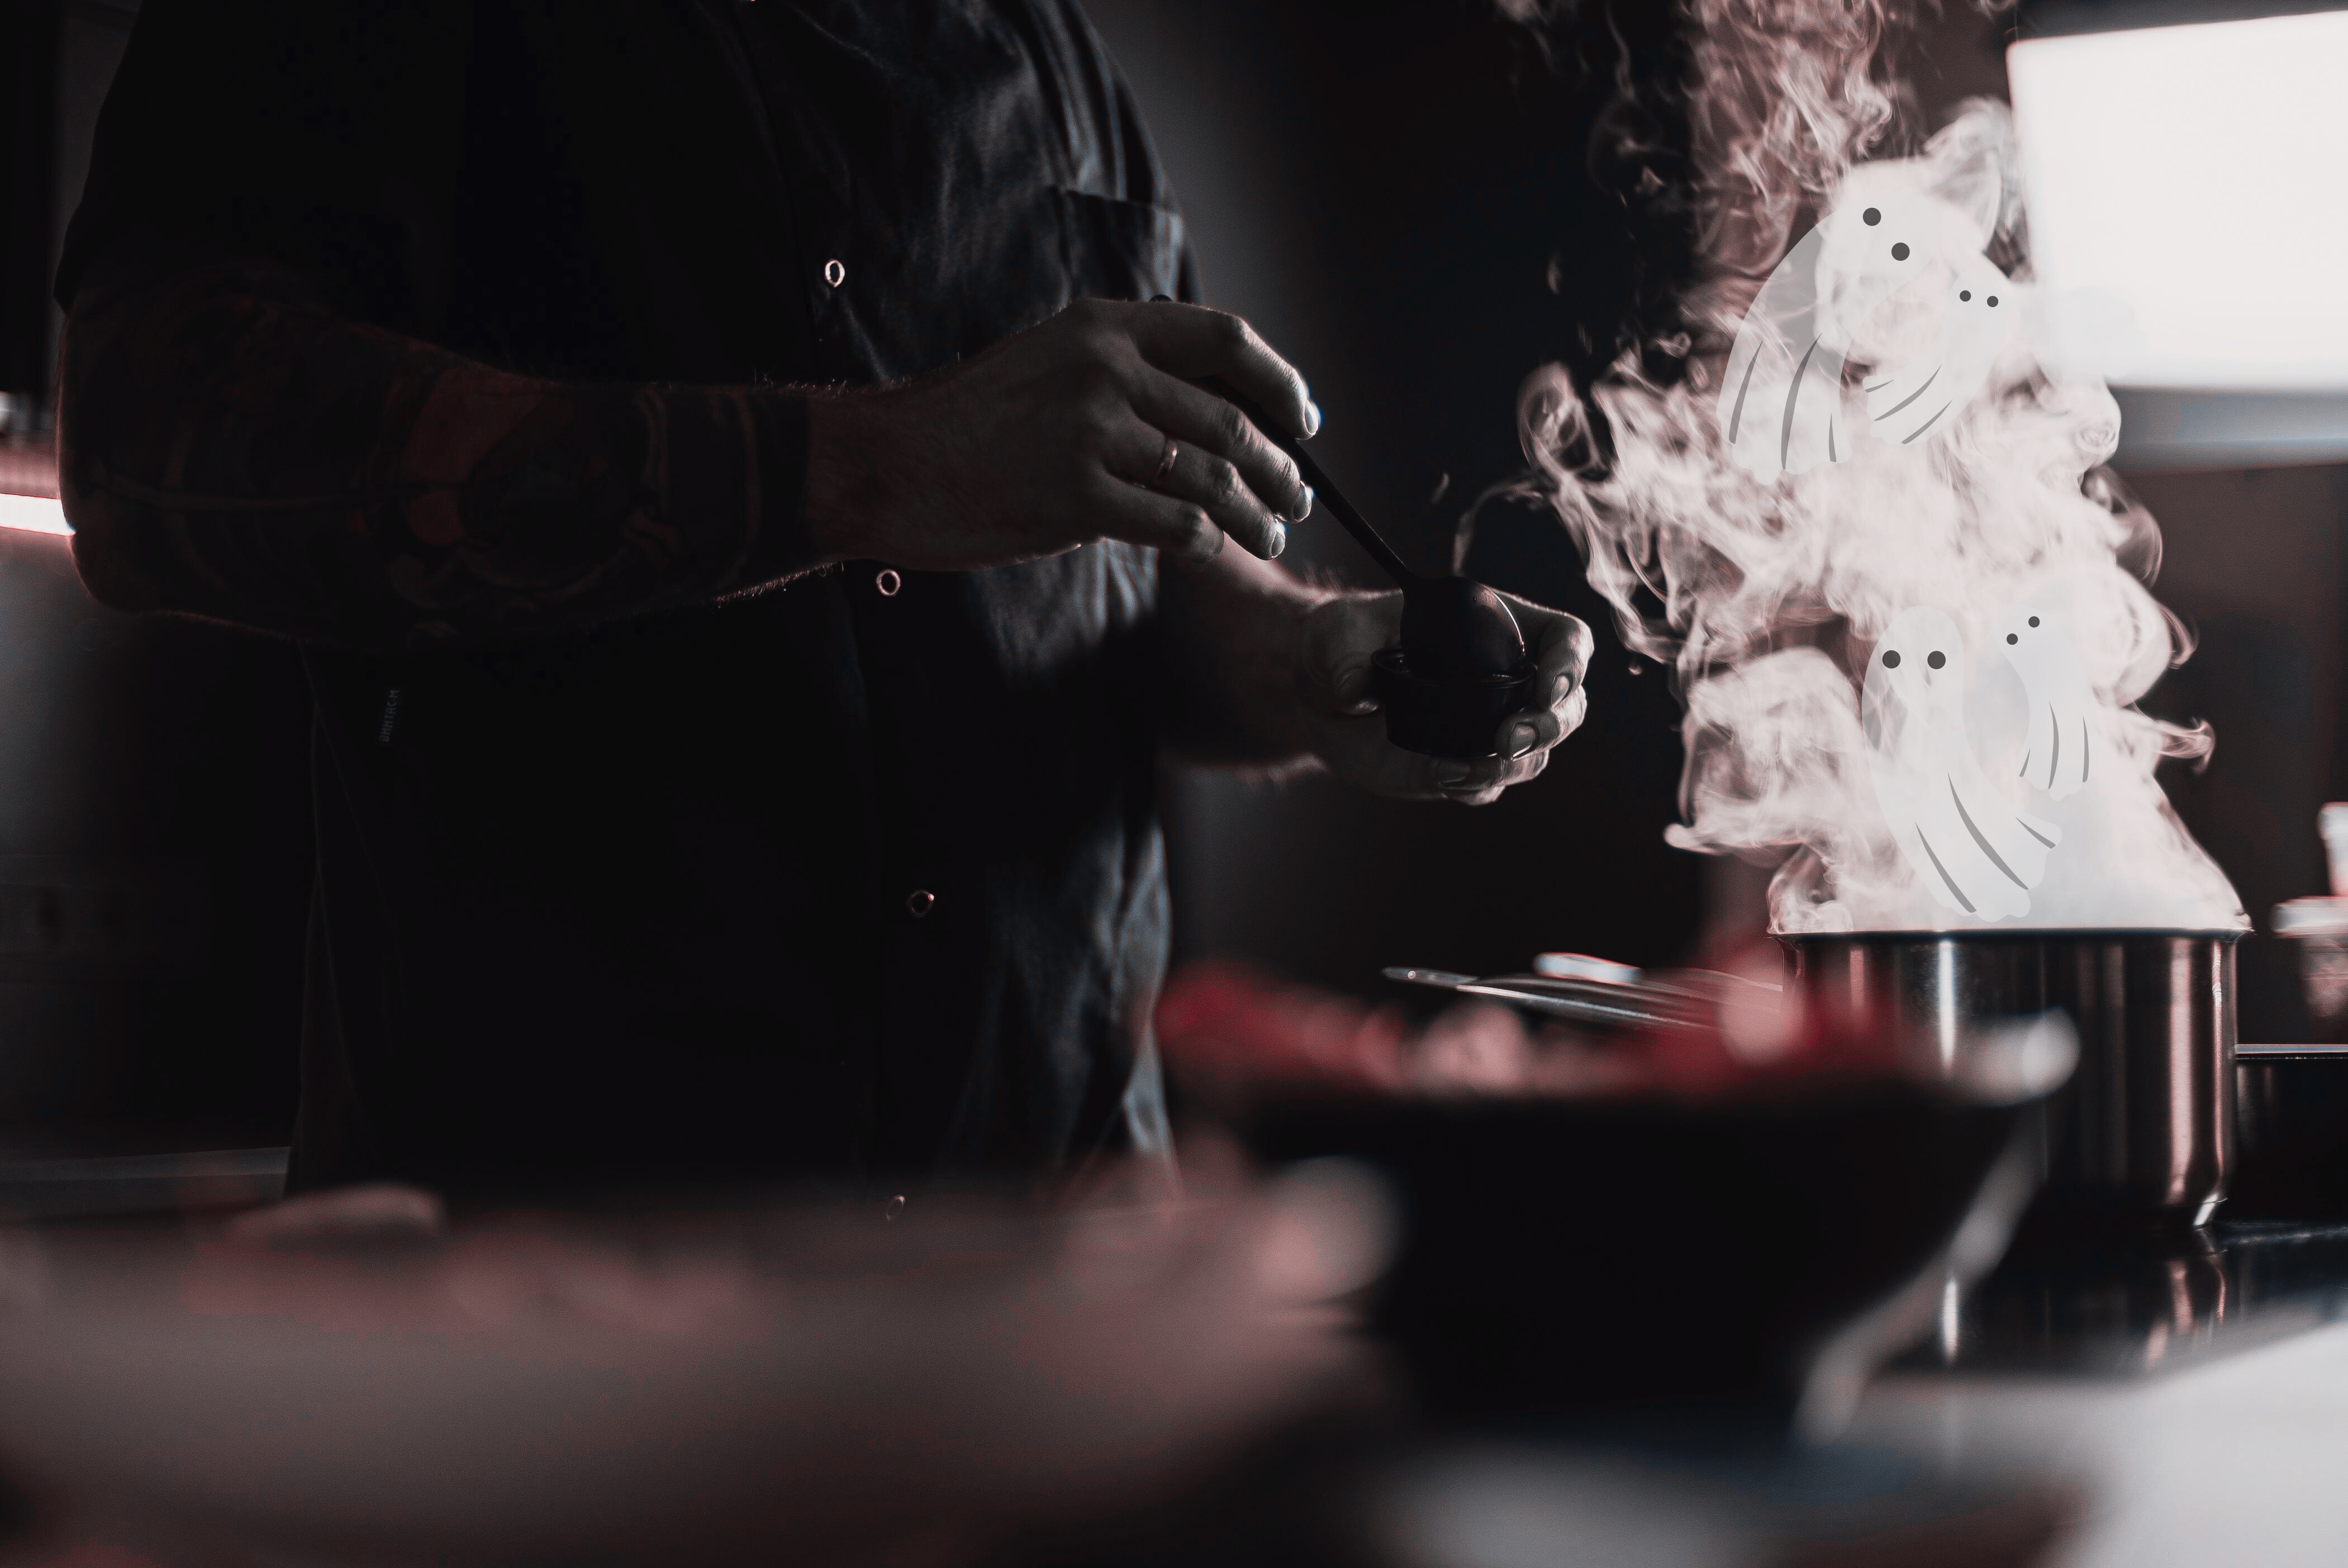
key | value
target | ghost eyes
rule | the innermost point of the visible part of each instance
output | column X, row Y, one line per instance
column 2033, row 621
column 2013, row 637
column 1936, row 659
column 1964, row 294
column 1892, row 658
column 1873, row 216
column 1992, row 302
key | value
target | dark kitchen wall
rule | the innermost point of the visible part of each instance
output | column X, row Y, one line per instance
column 56, row 59
column 1380, row 186
column 2253, row 563
column 154, row 864
column 154, row 818
column 29, row 155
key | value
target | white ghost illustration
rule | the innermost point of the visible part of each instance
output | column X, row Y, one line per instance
column 1973, row 852
column 1923, row 397
column 2066, row 719
column 1781, row 402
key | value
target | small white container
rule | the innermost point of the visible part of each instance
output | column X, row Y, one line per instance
column 2331, row 822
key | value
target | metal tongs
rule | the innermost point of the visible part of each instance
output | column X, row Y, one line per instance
column 1586, row 992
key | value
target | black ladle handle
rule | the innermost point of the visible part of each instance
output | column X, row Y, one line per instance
column 1324, row 491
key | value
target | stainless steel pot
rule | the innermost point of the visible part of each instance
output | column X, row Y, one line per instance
column 2146, row 1131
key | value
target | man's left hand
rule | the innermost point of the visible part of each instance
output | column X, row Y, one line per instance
column 1348, row 733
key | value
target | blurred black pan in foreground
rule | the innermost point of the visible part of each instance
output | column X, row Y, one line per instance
column 1668, row 1223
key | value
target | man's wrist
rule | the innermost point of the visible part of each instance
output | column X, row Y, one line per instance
column 845, row 481
column 784, row 546
column 1309, row 612
column 862, row 447
column 725, row 468
column 1246, row 627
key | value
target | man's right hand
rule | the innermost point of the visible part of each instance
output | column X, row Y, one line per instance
column 1054, row 437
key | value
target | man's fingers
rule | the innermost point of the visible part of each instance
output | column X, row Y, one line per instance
column 1543, row 727
column 1576, row 709
column 1558, row 698
column 1169, row 524
column 1199, row 477
column 1482, row 780
column 1193, row 343
column 1201, row 420
column 1529, row 732
column 1358, row 749
column 1561, row 645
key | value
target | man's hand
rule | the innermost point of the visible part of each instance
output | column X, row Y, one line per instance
column 1345, row 729
column 1056, row 437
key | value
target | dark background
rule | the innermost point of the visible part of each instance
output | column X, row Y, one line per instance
column 1382, row 186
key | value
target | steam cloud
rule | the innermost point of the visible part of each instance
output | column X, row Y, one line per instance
column 1769, row 597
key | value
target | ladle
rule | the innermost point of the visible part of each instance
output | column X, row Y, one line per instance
column 1451, row 626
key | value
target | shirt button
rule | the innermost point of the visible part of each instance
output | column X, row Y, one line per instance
column 919, row 902
column 888, row 582
column 834, row 273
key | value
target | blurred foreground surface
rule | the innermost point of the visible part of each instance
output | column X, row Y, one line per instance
column 1149, row 1378
column 2158, row 1404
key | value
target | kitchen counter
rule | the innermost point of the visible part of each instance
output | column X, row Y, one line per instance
column 2197, row 1392
column 2140, row 1306
column 2179, row 1401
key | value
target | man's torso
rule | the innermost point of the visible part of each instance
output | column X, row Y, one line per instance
column 831, row 881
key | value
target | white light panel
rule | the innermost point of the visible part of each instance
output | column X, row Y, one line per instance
column 35, row 514
column 2189, row 199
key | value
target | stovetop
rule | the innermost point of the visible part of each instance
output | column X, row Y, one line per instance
column 2128, row 1306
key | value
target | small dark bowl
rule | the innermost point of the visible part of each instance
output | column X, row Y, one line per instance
column 2291, row 1132
column 1445, row 716
column 1564, row 1255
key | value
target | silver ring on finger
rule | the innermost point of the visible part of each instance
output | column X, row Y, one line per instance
column 1165, row 466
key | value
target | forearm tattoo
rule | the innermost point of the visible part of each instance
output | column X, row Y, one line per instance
column 232, row 448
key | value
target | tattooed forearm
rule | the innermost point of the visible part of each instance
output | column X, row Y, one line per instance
column 232, row 448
